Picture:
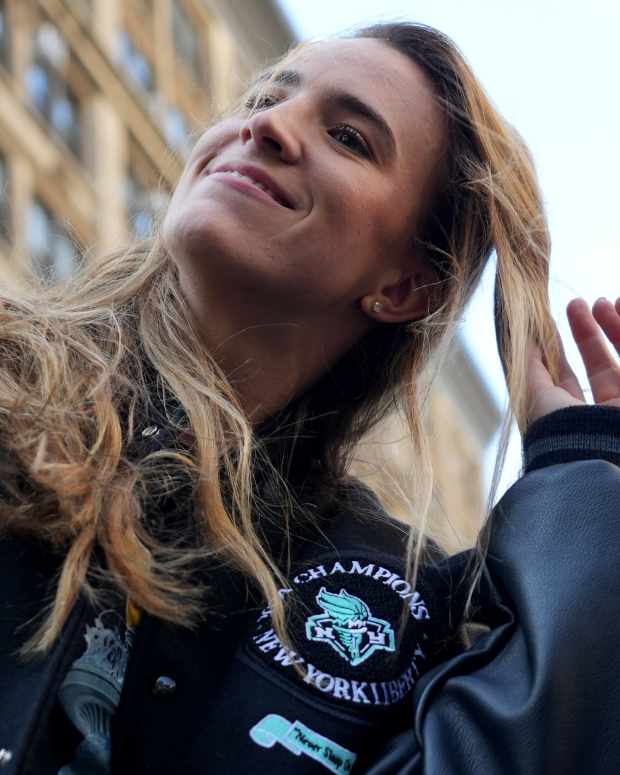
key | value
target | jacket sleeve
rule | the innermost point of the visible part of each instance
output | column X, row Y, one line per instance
column 539, row 692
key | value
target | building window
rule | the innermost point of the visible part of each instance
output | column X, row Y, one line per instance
column 139, row 214
column 54, row 255
column 135, row 64
column 187, row 42
column 49, row 92
column 143, row 205
column 5, row 40
column 178, row 132
column 5, row 200
column 146, row 194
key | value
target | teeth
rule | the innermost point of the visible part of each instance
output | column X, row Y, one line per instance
column 254, row 182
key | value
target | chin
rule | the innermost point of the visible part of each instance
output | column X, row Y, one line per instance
column 216, row 252
column 192, row 236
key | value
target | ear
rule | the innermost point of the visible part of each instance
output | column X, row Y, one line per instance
column 403, row 298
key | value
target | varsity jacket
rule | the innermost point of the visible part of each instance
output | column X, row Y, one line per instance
column 535, row 694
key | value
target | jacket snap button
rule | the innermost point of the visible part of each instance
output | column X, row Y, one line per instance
column 5, row 756
column 164, row 685
column 150, row 430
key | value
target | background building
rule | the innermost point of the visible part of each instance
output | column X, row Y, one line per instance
column 99, row 100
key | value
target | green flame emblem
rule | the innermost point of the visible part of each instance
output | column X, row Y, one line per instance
column 348, row 626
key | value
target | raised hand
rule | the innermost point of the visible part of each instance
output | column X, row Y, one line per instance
column 590, row 330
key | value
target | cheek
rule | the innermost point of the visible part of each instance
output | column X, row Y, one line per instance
column 385, row 220
column 190, row 218
column 173, row 222
column 355, row 230
column 213, row 140
column 206, row 148
column 338, row 247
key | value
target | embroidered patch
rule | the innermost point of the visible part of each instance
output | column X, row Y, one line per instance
column 300, row 739
column 345, row 614
column 349, row 627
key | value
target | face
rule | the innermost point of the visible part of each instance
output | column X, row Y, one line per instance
column 348, row 188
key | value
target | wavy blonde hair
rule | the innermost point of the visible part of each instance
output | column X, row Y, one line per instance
column 73, row 382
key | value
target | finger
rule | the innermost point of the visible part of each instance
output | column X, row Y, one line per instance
column 601, row 366
column 608, row 318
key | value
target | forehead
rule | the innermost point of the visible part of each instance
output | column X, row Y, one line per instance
column 390, row 81
column 366, row 57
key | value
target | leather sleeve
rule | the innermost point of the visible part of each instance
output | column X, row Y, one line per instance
column 539, row 692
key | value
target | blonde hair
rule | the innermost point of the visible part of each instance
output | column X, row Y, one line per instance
column 74, row 379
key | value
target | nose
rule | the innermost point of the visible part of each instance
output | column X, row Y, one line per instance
column 273, row 133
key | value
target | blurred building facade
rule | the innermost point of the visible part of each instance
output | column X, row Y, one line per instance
column 99, row 102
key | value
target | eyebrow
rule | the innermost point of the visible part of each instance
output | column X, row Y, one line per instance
column 343, row 99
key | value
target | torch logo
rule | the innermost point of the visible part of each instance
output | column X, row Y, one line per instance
column 349, row 627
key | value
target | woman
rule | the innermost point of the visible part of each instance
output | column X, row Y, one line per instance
column 177, row 424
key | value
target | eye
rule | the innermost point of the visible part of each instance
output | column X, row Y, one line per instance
column 256, row 102
column 358, row 139
column 351, row 137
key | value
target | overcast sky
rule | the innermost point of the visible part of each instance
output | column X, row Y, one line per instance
column 552, row 69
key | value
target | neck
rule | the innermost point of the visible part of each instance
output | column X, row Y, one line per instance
column 270, row 355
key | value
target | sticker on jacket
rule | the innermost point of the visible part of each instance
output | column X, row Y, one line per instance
column 344, row 618
column 300, row 739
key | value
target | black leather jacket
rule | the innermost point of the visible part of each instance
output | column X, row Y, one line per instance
column 536, row 694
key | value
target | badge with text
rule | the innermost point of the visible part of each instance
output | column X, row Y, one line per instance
column 345, row 616
column 300, row 739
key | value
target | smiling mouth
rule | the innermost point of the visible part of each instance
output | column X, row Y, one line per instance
column 247, row 184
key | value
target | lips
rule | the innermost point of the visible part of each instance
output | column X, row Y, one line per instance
column 258, row 176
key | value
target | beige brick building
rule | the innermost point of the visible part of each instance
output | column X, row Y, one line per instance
column 99, row 100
